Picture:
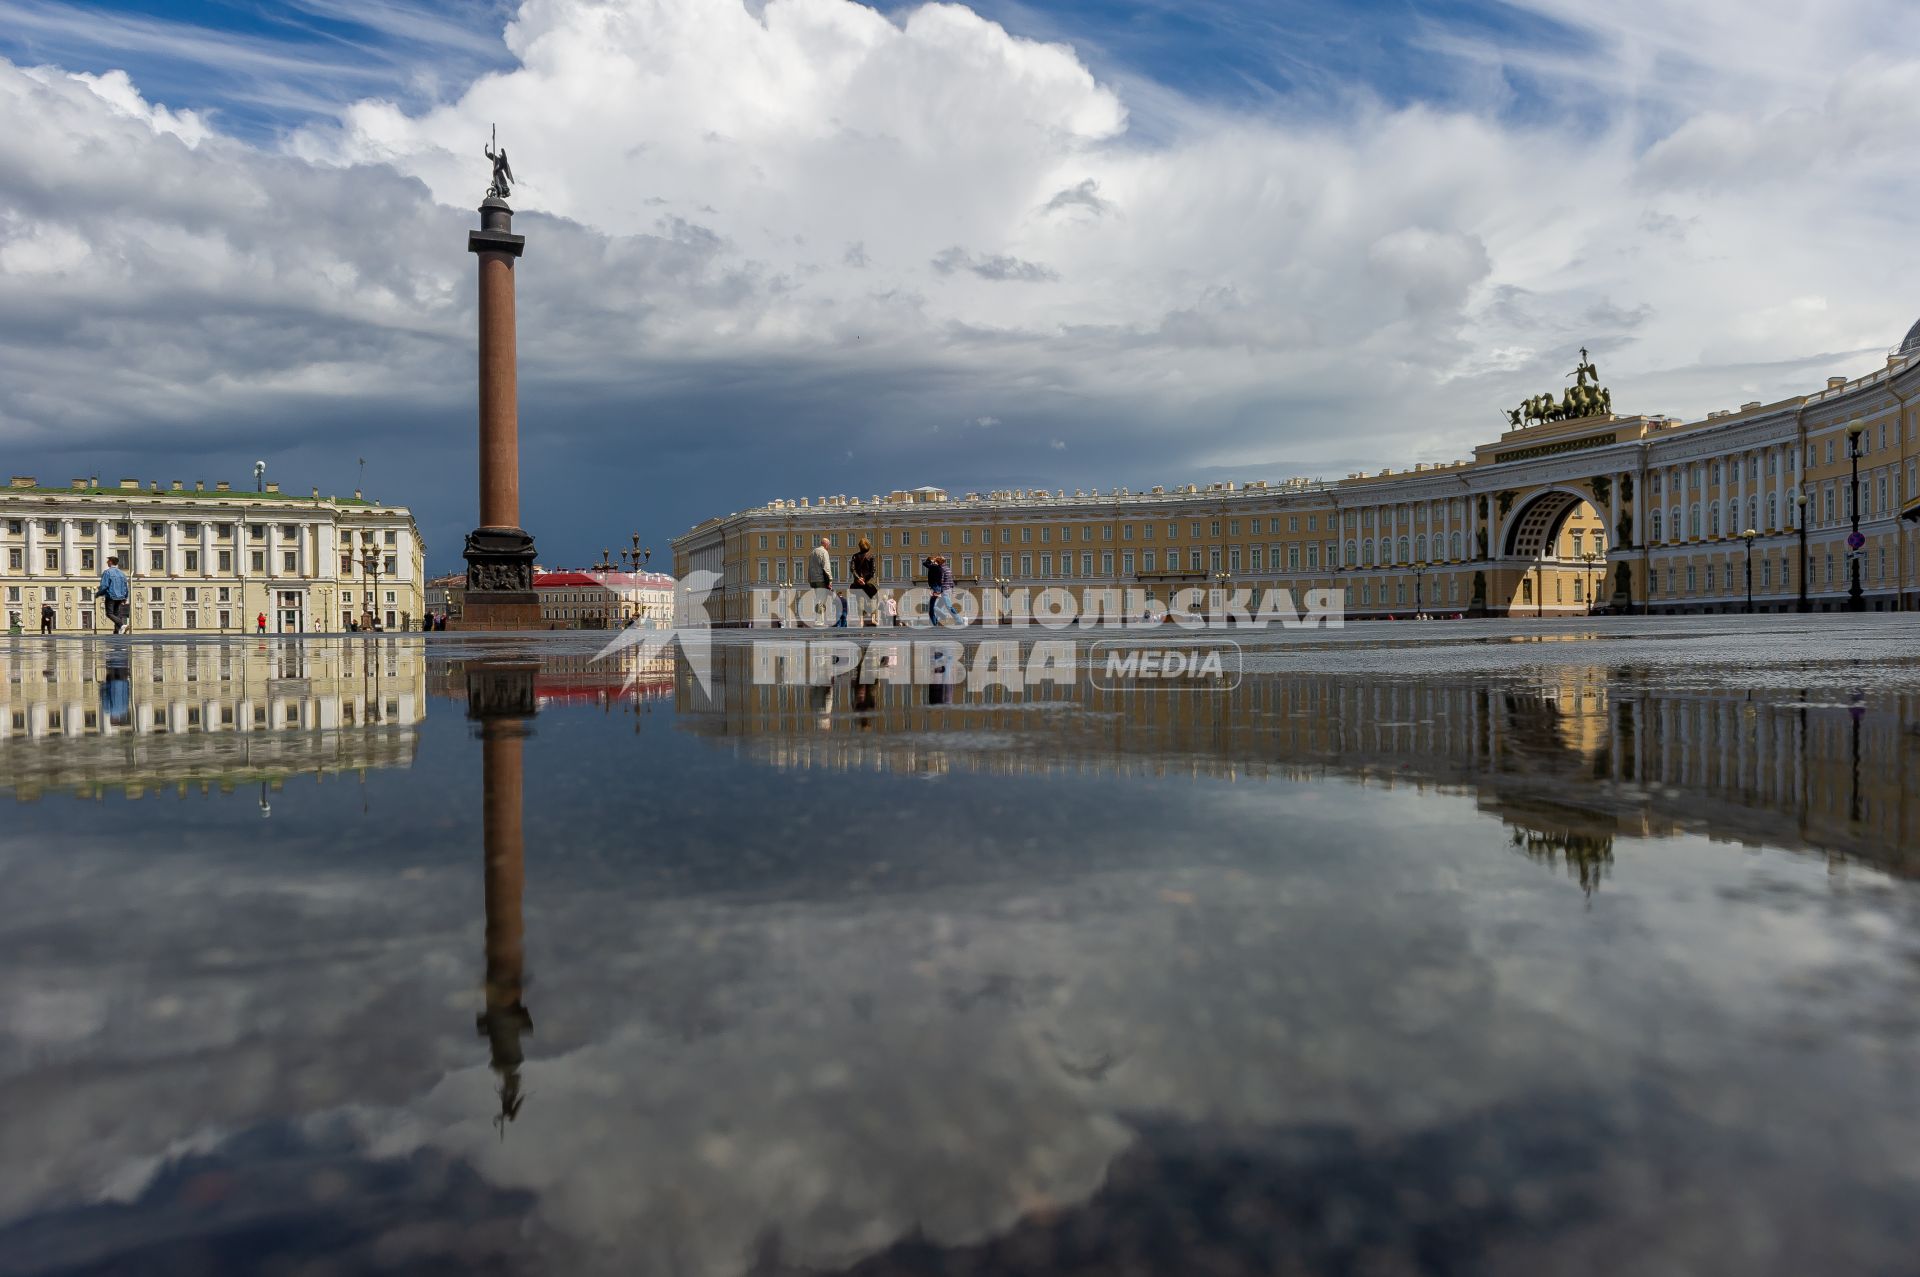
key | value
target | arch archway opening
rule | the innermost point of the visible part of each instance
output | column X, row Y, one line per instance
column 1553, row 536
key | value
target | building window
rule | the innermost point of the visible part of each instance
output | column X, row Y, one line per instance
column 287, row 561
column 158, row 559
column 53, row 560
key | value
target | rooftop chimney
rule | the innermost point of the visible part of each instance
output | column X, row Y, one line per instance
column 21, row 481
column 1834, row 383
column 222, row 486
column 129, row 485
column 273, row 487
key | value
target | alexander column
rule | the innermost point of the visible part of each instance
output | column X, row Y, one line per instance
column 499, row 552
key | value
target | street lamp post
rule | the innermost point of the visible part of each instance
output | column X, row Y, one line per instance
column 1220, row 591
column 1856, row 600
column 1589, row 557
column 1748, row 537
column 370, row 567
column 1800, row 504
column 1419, row 595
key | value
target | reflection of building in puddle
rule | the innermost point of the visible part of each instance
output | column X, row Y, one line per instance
column 1586, row 753
column 101, row 715
column 624, row 679
column 1563, row 834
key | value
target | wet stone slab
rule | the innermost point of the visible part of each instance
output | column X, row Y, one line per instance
column 1449, row 948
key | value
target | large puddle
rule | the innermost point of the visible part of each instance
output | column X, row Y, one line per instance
column 1596, row 955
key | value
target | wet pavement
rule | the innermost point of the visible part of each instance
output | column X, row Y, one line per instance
column 1451, row 948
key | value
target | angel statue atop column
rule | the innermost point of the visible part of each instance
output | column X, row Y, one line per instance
column 502, row 184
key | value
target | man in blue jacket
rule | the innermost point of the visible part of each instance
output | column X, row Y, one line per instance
column 113, row 588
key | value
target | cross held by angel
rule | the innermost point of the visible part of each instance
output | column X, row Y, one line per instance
column 502, row 184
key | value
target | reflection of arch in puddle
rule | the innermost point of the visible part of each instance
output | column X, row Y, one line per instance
column 1562, row 834
column 1766, row 767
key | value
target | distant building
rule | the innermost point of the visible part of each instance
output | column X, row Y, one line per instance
column 1747, row 508
column 576, row 601
column 446, row 593
column 604, row 600
column 208, row 560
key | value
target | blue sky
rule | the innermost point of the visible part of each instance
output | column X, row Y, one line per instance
column 801, row 247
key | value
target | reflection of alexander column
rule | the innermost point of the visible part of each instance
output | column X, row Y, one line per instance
column 500, row 698
column 499, row 552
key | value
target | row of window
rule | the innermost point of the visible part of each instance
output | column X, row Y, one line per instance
column 221, row 531
column 1291, row 558
column 1045, row 533
column 1831, row 505
column 1770, row 572
column 53, row 559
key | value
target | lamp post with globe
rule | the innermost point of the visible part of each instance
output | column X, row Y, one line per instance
column 1856, row 598
column 1748, row 537
column 1800, row 504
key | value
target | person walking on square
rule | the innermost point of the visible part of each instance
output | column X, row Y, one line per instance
column 820, row 565
column 260, row 623
column 939, row 580
column 46, row 618
column 893, row 611
column 860, row 569
column 114, row 592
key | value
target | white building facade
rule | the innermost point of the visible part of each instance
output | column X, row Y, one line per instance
column 203, row 560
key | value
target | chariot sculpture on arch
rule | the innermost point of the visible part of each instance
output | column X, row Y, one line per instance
column 502, row 184
column 1585, row 398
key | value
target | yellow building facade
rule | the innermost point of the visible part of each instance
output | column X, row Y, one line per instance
column 1621, row 513
column 203, row 560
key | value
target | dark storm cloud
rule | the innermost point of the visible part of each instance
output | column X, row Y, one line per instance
column 995, row 266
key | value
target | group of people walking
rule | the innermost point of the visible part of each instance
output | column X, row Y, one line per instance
column 864, row 597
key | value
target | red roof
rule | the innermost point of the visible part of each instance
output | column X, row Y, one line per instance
column 563, row 580
column 603, row 580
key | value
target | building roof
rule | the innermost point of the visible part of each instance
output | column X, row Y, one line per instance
column 1912, row 342
column 562, row 579
column 130, row 489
